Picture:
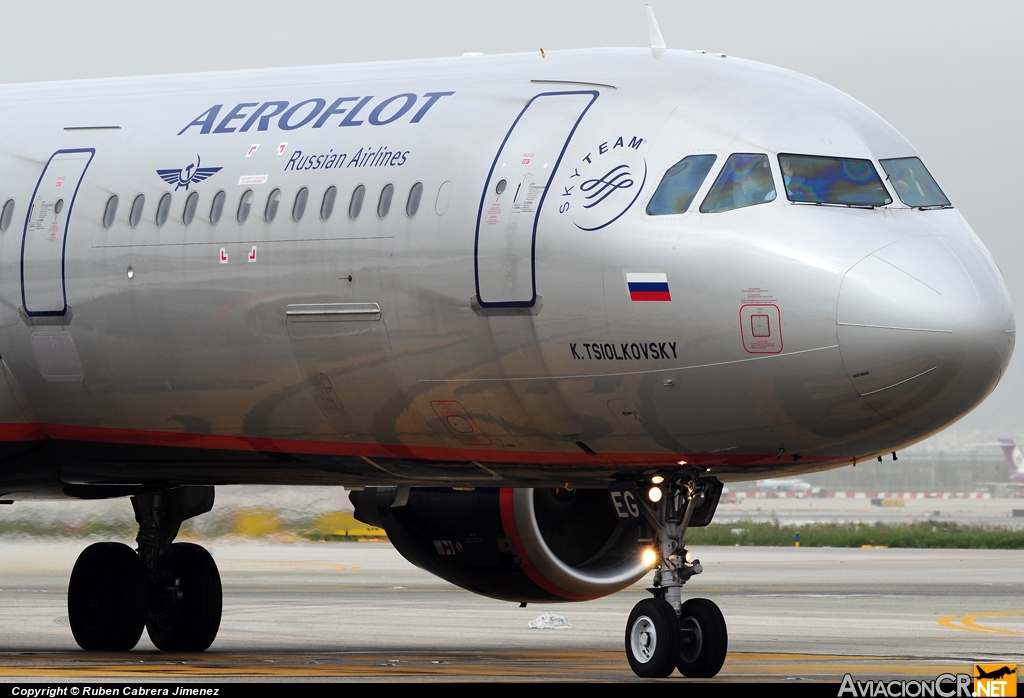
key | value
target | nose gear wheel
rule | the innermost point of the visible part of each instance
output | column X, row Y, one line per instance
column 704, row 639
column 652, row 639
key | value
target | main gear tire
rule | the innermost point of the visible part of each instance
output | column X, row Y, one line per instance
column 186, row 601
column 107, row 598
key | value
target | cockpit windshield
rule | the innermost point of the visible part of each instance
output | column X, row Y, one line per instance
column 816, row 179
column 680, row 185
column 745, row 180
column 913, row 183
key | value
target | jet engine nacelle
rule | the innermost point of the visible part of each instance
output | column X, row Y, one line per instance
column 512, row 544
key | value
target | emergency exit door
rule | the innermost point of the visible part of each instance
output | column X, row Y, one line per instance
column 517, row 184
column 44, row 241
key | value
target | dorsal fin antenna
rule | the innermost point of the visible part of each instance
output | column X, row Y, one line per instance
column 657, row 40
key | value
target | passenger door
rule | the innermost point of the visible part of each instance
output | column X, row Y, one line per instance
column 516, row 186
column 44, row 239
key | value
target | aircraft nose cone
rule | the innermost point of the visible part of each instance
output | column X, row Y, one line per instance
column 925, row 329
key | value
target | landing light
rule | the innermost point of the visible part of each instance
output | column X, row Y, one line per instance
column 682, row 462
column 649, row 557
column 655, row 494
column 657, row 479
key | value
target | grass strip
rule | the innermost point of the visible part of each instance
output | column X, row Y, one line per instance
column 923, row 534
column 341, row 526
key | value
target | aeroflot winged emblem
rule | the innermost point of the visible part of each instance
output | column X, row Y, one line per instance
column 192, row 174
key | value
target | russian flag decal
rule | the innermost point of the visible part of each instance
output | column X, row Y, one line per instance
column 648, row 287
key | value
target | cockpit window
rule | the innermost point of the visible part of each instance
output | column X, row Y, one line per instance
column 745, row 180
column 815, row 179
column 680, row 185
column 913, row 183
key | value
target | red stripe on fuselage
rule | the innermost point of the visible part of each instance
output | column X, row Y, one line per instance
column 21, row 432
column 256, row 444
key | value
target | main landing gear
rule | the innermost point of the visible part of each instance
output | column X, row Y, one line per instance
column 172, row 590
column 665, row 633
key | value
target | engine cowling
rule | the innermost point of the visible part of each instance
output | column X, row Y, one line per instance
column 512, row 544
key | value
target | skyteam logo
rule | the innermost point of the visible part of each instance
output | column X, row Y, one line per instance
column 604, row 183
column 191, row 174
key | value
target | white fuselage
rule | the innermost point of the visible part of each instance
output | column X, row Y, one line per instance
column 481, row 335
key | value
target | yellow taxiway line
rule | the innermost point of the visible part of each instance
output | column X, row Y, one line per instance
column 574, row 665
column 969, row 622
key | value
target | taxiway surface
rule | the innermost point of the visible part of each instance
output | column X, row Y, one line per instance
column 358, row 611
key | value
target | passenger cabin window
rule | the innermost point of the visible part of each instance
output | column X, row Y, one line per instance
column 814, row 179
column 299, row 207
column 384, row 203
column 356, row 204
column 273, row 202
column 244, row 206
column 746, row 180
column 444, row 196
column 188, row 214
column 163, row 209
column 413, row 204
column 135, row 214
column 6, row 215
column 109, row 211
column 680, row 185
column 908, row 176
column 327, row 205
column 217, row 209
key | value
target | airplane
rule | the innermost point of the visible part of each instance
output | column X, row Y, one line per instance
column 1014, row 458
column 533, row 310
column 995, row 673
column 786, row 484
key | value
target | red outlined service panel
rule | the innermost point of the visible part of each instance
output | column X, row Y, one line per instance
column 761, row 328
column 458, row 422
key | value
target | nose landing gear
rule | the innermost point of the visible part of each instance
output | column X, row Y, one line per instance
column 172, row 590
column 665, row 633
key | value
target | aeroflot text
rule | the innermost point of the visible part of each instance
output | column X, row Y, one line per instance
column 54, row 691
column 343, row 111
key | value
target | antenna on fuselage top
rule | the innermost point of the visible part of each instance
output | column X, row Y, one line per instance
column 657, row 40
